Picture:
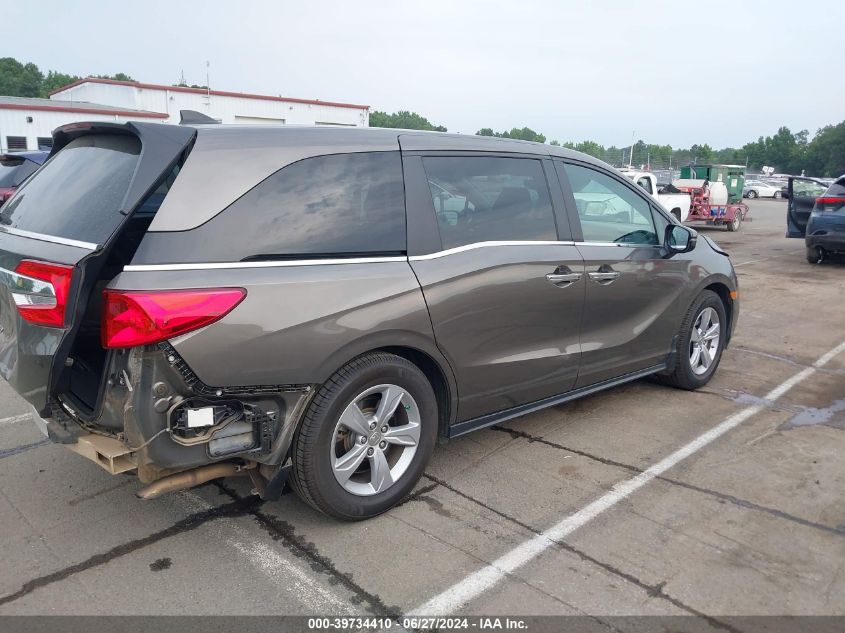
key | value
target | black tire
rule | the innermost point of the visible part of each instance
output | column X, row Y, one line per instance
column 683, row 377
column 778, row 195
column 734, row 224
column 312, row 478
column 816, row 255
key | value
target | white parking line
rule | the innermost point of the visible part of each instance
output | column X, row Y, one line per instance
column 456, row 596
column 287, row 575
column 15, row 418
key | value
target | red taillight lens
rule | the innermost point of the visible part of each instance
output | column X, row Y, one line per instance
column 43, row 305
column 132, row 318
column 833, row 200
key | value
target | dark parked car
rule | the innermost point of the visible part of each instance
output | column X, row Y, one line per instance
column 825, row 232
column 801, row 194
column 300, row 304
column 15, row 168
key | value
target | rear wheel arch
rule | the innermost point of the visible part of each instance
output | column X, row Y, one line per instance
column 444, row 390
column 422, row 353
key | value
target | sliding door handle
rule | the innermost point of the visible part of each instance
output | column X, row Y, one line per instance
column 605, row 277
column 562, row 280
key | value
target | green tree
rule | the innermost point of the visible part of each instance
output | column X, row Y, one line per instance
column 554, row 142
column 825, row 154
column 55, row 80
column 185, row 85
column 116, row 77
column 590, row 147
column 701, row 153
column 403, row 119
column 781, row 150
column 522, row 134
column 19, row 80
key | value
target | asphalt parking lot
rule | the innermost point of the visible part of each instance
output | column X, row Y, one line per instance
column 749, row 520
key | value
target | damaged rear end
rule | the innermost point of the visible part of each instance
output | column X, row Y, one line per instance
column 94, row 357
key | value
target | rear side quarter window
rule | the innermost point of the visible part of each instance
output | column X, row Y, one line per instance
column 333, row 205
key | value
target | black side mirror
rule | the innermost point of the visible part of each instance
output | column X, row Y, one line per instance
column 679, row 239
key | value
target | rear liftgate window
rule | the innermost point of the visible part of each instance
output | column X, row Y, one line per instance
column 78, row 194
column 327, row 206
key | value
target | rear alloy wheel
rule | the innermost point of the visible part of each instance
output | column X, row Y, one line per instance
column 817, row 255
column 700, row 343
column 778, row 195
column 751, row 194
column 366, row 437
column 375, row 440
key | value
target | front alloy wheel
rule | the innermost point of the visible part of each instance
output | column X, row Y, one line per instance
column 700, row 343
column 704, row 341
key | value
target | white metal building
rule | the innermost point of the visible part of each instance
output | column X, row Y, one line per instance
column 27, row 124
column 227, row 107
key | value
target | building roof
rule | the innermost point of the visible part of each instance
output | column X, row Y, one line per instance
column 81, row 107
column 202, row 91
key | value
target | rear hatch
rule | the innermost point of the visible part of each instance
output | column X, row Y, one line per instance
column 828, row 217
column 57, row 234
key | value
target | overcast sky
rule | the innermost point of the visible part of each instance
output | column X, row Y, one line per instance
column 677, row 72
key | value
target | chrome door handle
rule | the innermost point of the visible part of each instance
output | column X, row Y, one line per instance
column 562, row 280
column 605, row 277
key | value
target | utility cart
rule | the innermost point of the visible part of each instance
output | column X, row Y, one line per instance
column 733, row 177
column 710, row 203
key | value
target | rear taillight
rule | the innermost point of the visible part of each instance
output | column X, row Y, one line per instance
column 833, row 201
column 132, row 318
column 42, row 298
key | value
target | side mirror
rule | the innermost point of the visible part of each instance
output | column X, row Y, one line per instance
column 679, row 239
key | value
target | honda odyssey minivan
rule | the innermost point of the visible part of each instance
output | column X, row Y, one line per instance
column 317, row 306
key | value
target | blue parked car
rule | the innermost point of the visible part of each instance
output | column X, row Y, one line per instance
column 826, row 226
column 15, row 168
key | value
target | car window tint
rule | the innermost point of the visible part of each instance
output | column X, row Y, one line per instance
column 807, row 188
column 79, row 192
column 609, row 210
column 327, row 205
column 480, row 199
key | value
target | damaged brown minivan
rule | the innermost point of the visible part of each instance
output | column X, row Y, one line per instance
column 316, row 306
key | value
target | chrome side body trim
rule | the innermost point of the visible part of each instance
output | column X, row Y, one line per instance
column 49, row 238
column 475, row 245
column 362, row 260
column 263, row 264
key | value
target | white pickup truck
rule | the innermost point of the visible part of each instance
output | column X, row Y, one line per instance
column 677, row 204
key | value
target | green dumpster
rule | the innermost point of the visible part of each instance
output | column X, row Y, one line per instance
column 732, row 175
